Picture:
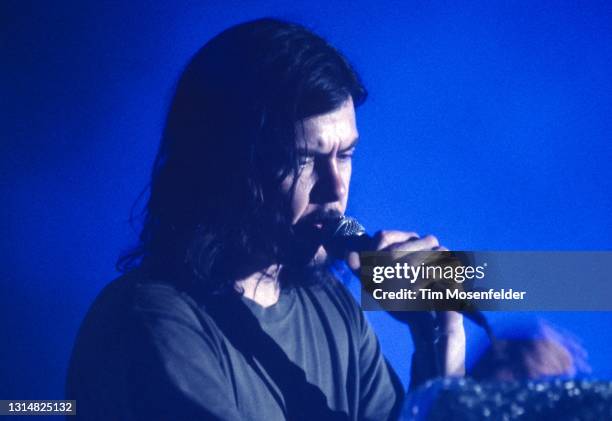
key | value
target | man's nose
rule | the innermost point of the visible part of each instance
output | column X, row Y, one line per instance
column 330, row 185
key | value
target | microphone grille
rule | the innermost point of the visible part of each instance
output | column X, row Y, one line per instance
column 347, row 226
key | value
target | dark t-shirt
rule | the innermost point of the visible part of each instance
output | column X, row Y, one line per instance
column 149, row 351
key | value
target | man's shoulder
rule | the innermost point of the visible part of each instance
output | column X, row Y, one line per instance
column 133, row 299
column 134, row 315
column 161, row 296
column 136, row 290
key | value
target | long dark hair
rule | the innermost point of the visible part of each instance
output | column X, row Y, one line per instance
column 228, row 142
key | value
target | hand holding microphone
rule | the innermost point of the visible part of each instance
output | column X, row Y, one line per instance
column 346, row 237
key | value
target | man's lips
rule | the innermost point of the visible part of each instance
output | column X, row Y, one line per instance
column 312, row 229
column 320, row 219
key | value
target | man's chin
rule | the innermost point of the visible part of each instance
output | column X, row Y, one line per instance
column 311, row 257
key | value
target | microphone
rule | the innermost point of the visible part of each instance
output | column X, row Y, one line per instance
column 346, row 234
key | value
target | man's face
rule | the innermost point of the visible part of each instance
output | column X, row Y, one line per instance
column 326, row 143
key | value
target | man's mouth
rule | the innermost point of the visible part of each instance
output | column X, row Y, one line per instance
column 321, row 218
column 311, row 232
column 317, row 222
column 312, row 229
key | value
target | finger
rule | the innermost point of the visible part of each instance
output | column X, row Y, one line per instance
column 353, row 261
column 383, row 239
column 426, row 243
column 450, row 321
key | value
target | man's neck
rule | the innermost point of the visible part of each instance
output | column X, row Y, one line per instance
column 261, row 286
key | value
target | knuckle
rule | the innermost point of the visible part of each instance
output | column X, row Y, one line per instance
column 432, row 240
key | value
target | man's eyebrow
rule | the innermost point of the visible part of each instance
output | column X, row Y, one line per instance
column 310, row 152
column 351, row 146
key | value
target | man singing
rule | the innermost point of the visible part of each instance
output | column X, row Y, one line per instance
column 227, row 308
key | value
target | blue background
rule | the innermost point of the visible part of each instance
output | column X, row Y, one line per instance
column 488, row 125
